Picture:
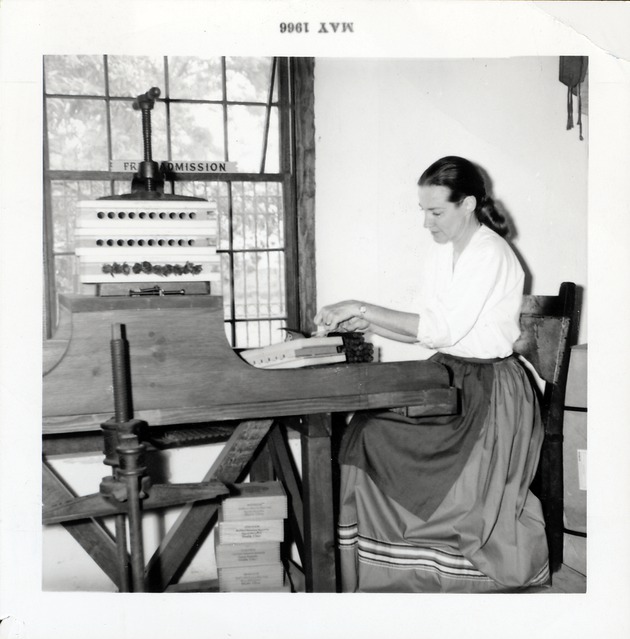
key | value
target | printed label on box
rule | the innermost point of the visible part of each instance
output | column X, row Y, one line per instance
column 581, row 457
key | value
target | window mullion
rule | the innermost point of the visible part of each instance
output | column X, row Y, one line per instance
column 167, row 105
column 108, row 120
column 303, row 148
column 268, row 114
column 230, row 206
column 291, row 267
column 49, row 265
column 226, row 151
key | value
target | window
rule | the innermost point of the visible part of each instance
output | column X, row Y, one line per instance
column 239, row 110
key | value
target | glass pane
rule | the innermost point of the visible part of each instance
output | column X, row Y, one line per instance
column 75, row 74
column 214, row 192
column 272, row 159
column 268, row 205
column 228, row 334
column 275, row 333
column 195, row 78
column 242, row 337
column 77, row 136
column 270, row 280
column 65, row 195
column 259, row 284
column 257, row 334
column 67, row 274
column 127, row 140
column 130, row 76
column 224, row 228
column 241, row 292
column 257, row 215
column 246, row 129
column 242, row 232
column 274, row 95
column 248, row 79
column 225, row 286
column 197, row 132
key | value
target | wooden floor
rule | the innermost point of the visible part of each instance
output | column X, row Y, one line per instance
column 566, row 580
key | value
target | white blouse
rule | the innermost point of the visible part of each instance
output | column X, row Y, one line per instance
column 472, row 310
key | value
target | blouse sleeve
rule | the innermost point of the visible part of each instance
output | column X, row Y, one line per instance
column 451, row 311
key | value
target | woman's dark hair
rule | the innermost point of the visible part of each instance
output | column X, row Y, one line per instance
column 463, row 178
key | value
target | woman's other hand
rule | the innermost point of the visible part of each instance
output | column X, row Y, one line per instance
column 345, row 315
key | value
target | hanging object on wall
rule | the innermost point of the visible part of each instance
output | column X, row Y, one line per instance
column 573, row 69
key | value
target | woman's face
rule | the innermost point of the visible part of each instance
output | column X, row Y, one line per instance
column 447, row 221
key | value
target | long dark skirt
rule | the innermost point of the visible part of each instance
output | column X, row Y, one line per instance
column 443, row 504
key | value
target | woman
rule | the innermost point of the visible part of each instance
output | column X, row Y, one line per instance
column 443, row 504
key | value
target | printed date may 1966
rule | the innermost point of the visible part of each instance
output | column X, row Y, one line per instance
column 321, row 27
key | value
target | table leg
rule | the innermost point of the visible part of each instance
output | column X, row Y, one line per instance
column 317, row 486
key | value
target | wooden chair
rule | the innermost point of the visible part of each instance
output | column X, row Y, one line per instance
column 548, row 330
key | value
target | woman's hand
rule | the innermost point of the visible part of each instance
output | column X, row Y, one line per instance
column 354, row 324
column 398, row 325
column 345, row 315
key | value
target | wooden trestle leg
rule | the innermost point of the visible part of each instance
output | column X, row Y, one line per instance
column 319, row 528
column 93, row 536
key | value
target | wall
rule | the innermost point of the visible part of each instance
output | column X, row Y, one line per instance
column 380, row 122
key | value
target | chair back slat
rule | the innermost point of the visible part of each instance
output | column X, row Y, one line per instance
column 541, row 305
column 543, row 342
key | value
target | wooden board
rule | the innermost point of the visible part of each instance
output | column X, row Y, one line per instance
column 183, row 370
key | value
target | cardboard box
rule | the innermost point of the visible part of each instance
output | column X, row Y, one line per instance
column 576, row 392
column 233, row 555
column 252, row 578
column 575, row 470
column 255, row 501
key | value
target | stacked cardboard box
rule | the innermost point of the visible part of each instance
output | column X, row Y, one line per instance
column 575, row 440
column 249, row 535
